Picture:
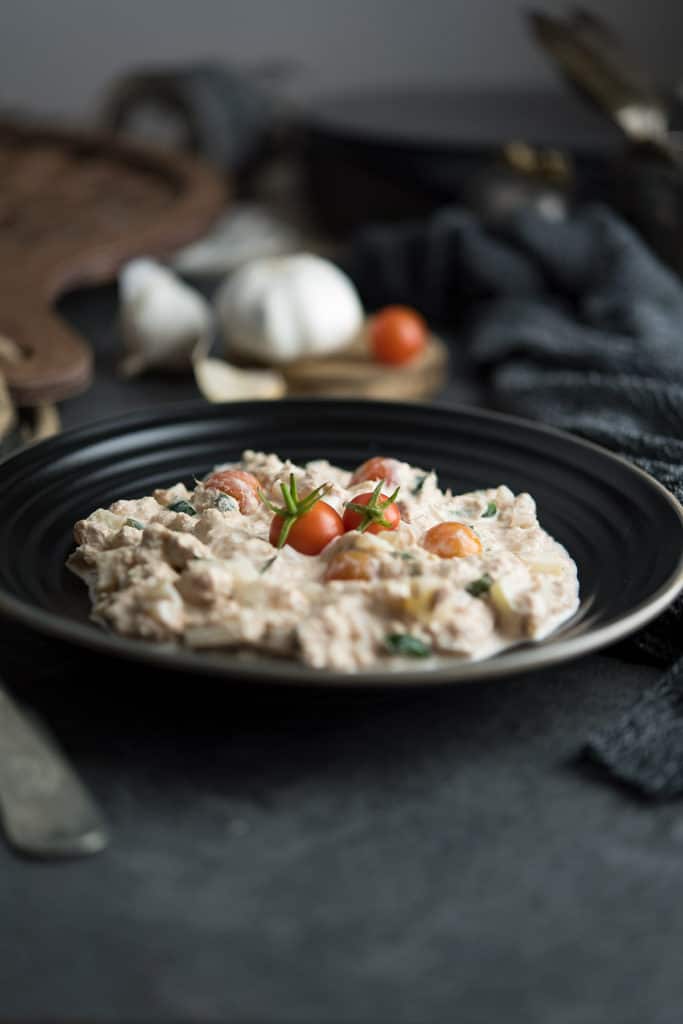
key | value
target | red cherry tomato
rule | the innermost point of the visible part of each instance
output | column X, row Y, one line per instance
column 377, row 468
column 312, row 531
column 239, row 484
column 353, row 519
column 398, row 334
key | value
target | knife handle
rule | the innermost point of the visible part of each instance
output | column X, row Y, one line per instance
column 46, row 810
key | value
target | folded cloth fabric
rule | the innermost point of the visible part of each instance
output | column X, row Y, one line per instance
column 577, row 324
column 224, row 115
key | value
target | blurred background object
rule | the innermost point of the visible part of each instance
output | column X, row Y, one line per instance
column 594, row 60
column 321, row 119
column 327, row 116
column 417, row 127
column 392, row 154
column 645, row 183
column 231, row 118
column 61, row 59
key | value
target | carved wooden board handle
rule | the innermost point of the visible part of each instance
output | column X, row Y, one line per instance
column 74, row 206
column 41, row 357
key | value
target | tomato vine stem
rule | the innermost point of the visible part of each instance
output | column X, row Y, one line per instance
column 373, row 512
column 294, row 506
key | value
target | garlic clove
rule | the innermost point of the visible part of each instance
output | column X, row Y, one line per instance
column 218, row 381
column 163, row 320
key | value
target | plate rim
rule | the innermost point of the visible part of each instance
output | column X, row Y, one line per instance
column 265, row 669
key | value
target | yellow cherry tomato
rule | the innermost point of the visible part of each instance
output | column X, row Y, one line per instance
column 451, row 540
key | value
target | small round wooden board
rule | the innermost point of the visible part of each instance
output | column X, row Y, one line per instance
column 353, row 373
column 74, row 206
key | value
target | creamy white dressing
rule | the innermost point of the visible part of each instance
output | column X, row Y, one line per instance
column 213, row 579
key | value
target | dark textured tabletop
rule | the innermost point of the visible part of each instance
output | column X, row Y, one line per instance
column 318, row 857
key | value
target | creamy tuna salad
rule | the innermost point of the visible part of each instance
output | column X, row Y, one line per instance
column 338, row 569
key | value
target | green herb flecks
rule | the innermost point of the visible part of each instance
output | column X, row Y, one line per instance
column 224, row 503
column 266, row 565
column 412, row 568
column 491, row 510
column 481, row 586
column 419, row 483
column 135, row 523
column 183, row 506
column 407, row 645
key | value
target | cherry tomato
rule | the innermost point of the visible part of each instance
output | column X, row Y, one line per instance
column 353, row 518
column 379, row 467
column 312, row 531
column 351, row 565
column 451, row 540
column 398, row 334
column 239, row 484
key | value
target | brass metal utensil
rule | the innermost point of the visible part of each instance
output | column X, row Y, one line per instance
column 596, row 62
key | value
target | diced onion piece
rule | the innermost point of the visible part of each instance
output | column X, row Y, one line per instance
column 210, row 636
column 502, row 594
column 165, row 605
column 550, row 566
column 420, row 602
column 103, row 517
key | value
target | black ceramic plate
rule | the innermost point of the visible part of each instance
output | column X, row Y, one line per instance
column 623, row 529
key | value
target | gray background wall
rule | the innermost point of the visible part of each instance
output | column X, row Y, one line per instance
column 56, row 56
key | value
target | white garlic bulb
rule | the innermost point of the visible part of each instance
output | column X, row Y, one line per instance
column 164, row 322
column 286, row 308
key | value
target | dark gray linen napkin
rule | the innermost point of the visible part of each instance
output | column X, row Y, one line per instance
column 577, row 324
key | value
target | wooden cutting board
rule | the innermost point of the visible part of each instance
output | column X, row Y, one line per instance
column 352, row 373
column 74, row 207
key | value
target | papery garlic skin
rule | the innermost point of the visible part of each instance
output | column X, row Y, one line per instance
column 279, row 310
column 218, row 381
column 164, row 321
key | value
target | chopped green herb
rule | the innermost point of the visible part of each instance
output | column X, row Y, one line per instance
column 478, row 587
column 419, row 484
column 224, row 503
column 266, row 565
column 404, row 643
column 491, row 510
column 135, row 523
column 407, row 556
column 182, row 506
